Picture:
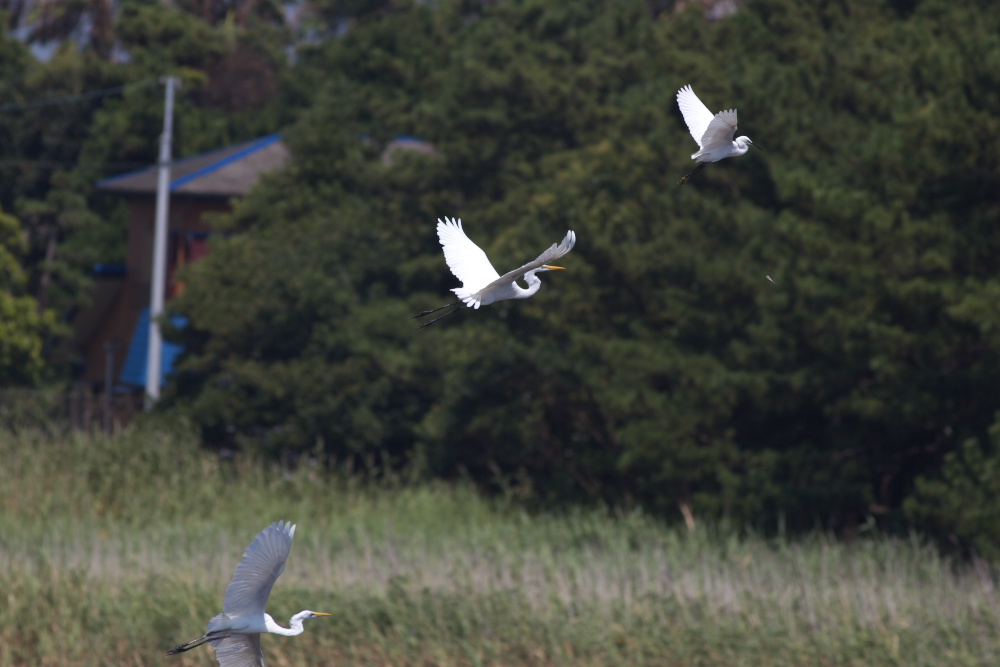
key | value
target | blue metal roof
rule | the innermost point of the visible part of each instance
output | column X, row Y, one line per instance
column 225, row 160
column 193, row 175
column 134, row 370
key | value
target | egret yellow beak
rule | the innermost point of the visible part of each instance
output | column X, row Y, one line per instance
column 553, row 268
column 319, row 613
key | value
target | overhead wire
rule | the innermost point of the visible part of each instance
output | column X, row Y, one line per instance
column 68, row 99
column 55, row 164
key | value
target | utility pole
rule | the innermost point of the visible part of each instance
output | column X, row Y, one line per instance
column 155, row 350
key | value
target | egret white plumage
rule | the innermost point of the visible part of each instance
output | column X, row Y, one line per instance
column 481, row 284
column 713, row 132
column 235, row 633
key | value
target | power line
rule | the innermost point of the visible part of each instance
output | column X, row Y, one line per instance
column 53, row 164
column 66, row 99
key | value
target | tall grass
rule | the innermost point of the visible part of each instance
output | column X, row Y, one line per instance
column 114, row 549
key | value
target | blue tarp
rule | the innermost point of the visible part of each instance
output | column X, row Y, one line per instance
column 134, row 370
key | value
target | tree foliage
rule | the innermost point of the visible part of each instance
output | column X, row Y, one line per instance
column 960, row 504
column 94, row 108
column 23, row 324
column 663, row 367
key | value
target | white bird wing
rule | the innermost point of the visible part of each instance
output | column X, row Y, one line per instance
column 720, row 131
column 555, row 251
column 465, row 259
column 696, row 114
column 262, row 564
column 239, row 651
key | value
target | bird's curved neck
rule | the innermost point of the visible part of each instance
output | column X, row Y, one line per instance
column 534, row 284
column 273, row 627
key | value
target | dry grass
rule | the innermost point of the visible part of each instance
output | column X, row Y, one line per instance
column 106, row 559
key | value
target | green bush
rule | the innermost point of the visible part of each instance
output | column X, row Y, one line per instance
column 961, row 503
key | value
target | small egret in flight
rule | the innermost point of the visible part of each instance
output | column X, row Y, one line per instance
column 481, row 284
column 235, row 633
column 714, row 133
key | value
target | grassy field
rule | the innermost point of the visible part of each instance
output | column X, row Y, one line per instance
column 115, row 549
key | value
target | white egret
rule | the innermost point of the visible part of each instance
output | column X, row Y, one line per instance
column 481, row 284
column 714, row 133
column 235, row 633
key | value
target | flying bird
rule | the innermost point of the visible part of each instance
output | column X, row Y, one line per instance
column 714, row 133
column 481, row 284
column 235, row 633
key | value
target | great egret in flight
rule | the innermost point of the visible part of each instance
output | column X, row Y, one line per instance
column 714, row 133
column 235, row 633
column 481, row 284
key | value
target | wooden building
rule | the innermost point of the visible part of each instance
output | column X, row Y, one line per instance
column 110, row 336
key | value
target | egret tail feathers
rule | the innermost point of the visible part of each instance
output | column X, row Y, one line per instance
column 468, row 297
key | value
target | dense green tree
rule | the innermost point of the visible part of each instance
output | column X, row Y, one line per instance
column 82, row 115
column 23, row 324
column 88, row 22
column 960, row 504
column 43, row 129
column 664, row 366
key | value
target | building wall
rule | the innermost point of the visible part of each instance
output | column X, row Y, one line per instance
column 186, row 218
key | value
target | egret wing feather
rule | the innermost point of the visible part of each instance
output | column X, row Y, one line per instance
column 239, row 651
column 261, row 565
column 465, row 259
column 720, row 131
column 696, row 114
column 555, row 251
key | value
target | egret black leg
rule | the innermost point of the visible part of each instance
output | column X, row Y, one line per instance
column 428, row 312
column 687, row 176
column 194, row 643
column 429, row 322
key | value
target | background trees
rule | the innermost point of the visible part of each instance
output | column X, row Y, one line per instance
column 23, row 324
column 663, row 368
column 93, row 108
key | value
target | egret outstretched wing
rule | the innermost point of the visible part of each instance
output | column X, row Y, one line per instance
column 465, row 259
column 235, row 633
column 262, row 564
column 554, row 252
column 481, row 285
column 714, row 133
column 239, row 651
column 696, row 114
column 720, row 131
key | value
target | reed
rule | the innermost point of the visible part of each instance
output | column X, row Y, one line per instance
column 114, row 549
